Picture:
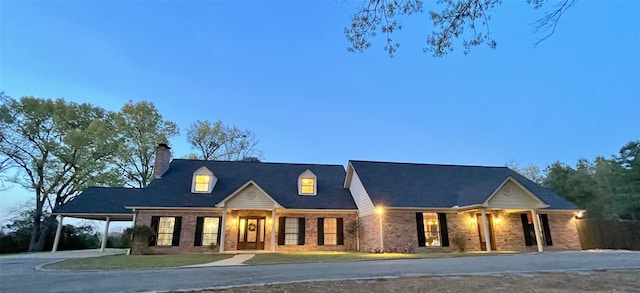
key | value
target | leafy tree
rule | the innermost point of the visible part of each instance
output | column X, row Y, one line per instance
column 216, row 141
column 141, row 128
column 58, row 148
column 465, row 19
column 607, row 188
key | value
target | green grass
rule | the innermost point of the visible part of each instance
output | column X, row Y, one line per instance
column 318, row 256
column 121, row 262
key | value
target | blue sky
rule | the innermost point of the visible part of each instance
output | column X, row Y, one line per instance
column 281, row 70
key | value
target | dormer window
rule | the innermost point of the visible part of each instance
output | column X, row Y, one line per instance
column 203, row 181
column 307, row 183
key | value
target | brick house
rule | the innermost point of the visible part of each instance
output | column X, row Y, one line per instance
column 196, row 206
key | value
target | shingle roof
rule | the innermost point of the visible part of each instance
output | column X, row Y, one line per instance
column 279, row 180
column 442, row 186
column 101, row 200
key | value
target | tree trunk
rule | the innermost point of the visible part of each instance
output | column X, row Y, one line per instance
column 36, row 230
column 44, row 233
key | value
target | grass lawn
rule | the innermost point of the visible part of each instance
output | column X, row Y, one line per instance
column 120, row 262
column 322, row 256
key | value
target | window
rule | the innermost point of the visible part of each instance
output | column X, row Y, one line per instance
column 530, row 231
column 291, row 231
column 210, row 231
column 207, row 231
column 307, row 183
column 432, row 229
column 330, row 231
column 203, row 181
column 167, row 231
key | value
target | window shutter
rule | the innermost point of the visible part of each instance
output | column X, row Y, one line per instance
column 320, row 231
column 220, row 225
column 198, row 236
column 420, row 224
column 155, row 221
column 281, row 231
column 546, row 229
column 300, row 231
column 444, row 233
column 339, row 231
column 176, row 231
column 526, row 230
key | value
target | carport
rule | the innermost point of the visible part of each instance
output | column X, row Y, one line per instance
column 97, row 203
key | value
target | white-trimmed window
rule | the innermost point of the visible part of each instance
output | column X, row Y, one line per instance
column 203, row 181
column 431, row 229
column 291, row 230
column 210, row 230
column 165, row 231
column 330, row 231
column 307, row 183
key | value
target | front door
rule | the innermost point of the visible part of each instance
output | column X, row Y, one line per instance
column 483, row 243
column 251, row 233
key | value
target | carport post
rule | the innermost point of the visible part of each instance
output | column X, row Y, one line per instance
column 485, row 227
column 104, row 235
column 56, row 241
column 536, row 228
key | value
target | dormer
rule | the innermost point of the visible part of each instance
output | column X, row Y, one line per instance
column 203, row 181
column 307, row 183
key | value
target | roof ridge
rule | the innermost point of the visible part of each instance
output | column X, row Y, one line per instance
column 429, row 164
column 270, row 163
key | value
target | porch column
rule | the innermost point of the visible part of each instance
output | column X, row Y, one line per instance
column 273, row 230
column 104, row 235
column 485, row 227
column 536, row 228
column 56, row 241
column 222, row 231
column 134, row 219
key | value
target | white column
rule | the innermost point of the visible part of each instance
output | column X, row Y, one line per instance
column 222, row 231
column 485, row 227
column 56, row 241
column 104, row 235
column 273, row 230
column 134, row 219
column 381, row 234
column 536, row 228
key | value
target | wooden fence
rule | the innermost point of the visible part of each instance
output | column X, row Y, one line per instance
column 609, row 234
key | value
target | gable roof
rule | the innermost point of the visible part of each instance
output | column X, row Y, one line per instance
column 442, row 186
column 278, row 180
column 173, row 190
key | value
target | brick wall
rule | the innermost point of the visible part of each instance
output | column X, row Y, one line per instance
column 399, row 232
column 187, row 232
column 311, row 232
column 564, row 232
column 369, row 233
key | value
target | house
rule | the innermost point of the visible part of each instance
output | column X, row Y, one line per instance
column 196, row 206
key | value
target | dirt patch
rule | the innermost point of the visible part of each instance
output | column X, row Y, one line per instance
column 592, row 281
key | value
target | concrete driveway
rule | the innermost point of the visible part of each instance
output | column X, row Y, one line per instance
column 19, row 275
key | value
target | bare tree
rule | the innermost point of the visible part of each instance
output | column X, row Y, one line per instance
column 465, row 19
column 216, row 141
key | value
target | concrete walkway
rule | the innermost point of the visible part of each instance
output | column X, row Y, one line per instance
column 236, row 260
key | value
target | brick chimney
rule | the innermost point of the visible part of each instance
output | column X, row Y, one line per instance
column 163, row 156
